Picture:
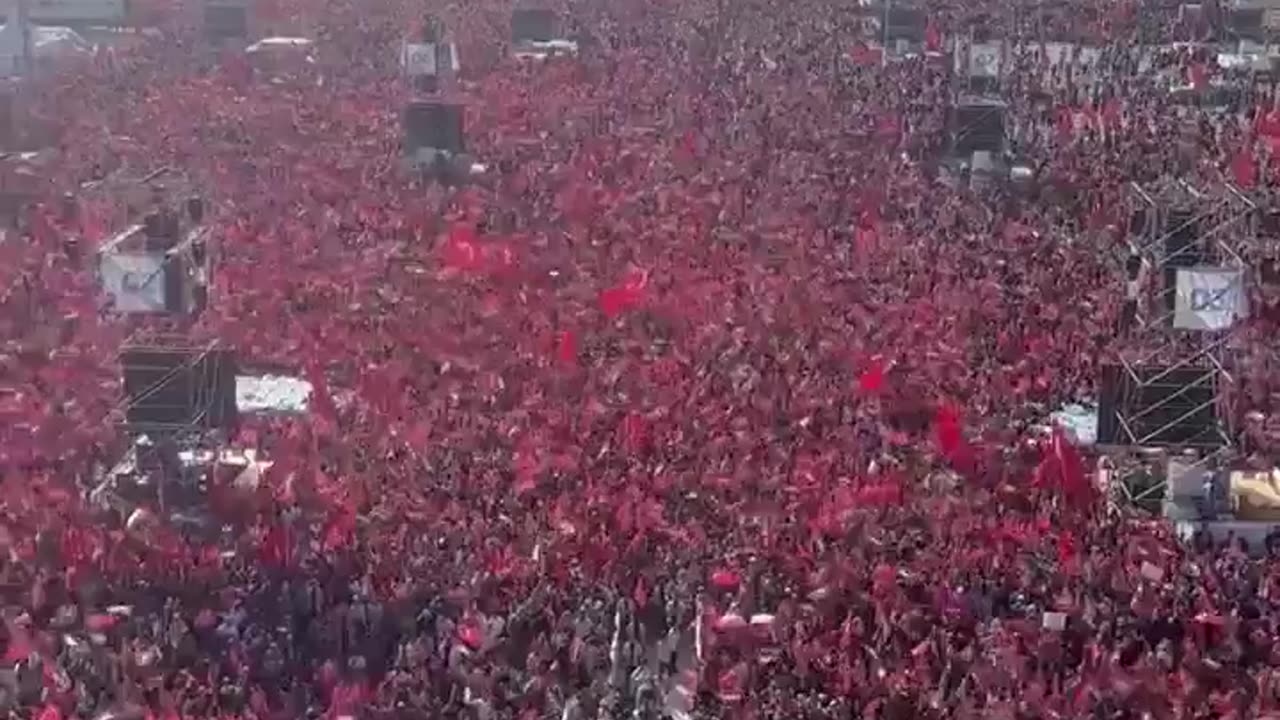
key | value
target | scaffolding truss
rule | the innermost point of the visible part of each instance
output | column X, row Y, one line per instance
column 1172, row 386
column 174, row 386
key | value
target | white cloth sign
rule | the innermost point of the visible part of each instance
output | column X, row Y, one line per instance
column 1054, row 621
column 1151, row 572
column 419, row 59
column 984, row 60
column 1209, row 299
column 134, row 281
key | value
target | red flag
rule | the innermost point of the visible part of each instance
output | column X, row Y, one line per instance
column 950, row 435
column 460, row 251
column 932, row 38
column 275, row 548
column 629, row 295
column 865, row 56
column 725, row 579
column 1073, row 479
column 567, row 347
column 340, row 529
column 1063, row 468
column 1066, row 122
column 1198, row 75
column 321, row 403
column 872, row 379
column 1244, row 170
column 1067, row 551
column 946, row 424
column 635, row 432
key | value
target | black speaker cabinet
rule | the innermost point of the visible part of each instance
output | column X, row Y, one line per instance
column 434, row 125
column 1164, row 407
column 978, row 128
column 533, row 26
column 226, row 22
column 171, row 388
column 1181, row 245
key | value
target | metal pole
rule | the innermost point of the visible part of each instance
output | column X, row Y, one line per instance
column 24, row 27
column 884, row 34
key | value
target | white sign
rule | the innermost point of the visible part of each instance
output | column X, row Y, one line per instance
column 105, row 12
column 1151, row 572
column 428, row 59
column 1054, row 621
column 134, row 281
column 419, row 59
column 984, row 60
column 1209, row 299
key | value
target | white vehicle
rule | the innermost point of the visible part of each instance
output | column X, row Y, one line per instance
column 541, row 50
column 281, row 45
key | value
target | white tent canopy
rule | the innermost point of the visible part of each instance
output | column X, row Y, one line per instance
column 46, row 42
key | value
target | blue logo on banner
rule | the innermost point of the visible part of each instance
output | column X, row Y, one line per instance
column 1218, row 300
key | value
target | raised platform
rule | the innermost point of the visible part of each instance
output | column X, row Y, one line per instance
column 1254, row 533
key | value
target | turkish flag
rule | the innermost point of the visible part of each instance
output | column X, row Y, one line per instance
column 872, row 379
column 1244, row 170
column 932, row 38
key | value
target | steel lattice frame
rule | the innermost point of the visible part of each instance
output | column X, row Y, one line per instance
column 1225, row 220
column 195, row 357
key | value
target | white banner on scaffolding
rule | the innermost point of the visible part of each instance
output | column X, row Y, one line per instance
column 1209, row 299
column 984, row 60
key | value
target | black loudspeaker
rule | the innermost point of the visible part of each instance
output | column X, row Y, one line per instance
column 199, row 299
column 1138, row 222
column 426, row 84
column 160, row 229
column 1269, row 222
column 434, row 125
column 533, row 26
column 195, row 210
column 906, row 24
column 432, row 29
column 1164, row 407
column 978, row 128
column 226, row 22
column 8, row 136
column 168, row 388
column 1181, row 244
column 199, row 251
column 1247, row 23
column 1133, row 266
column 175, row 275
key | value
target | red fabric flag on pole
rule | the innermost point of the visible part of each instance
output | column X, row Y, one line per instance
column 340, row 530
column 1244, row 170
column 629, row 295
column 865, row 56
column 567, row 347
column 950, row 435
column 1062, row 468
column 946, row 425
column 932, row 38
column 872, row 379
column 1198, row 76
column 321, row 402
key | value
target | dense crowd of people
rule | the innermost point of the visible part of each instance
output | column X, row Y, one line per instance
column 718, row 397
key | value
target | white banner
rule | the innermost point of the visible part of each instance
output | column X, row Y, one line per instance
column 1209, row 299
column 102, row 12
column 134, row 281
column 419, row 59
column 984, row 60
